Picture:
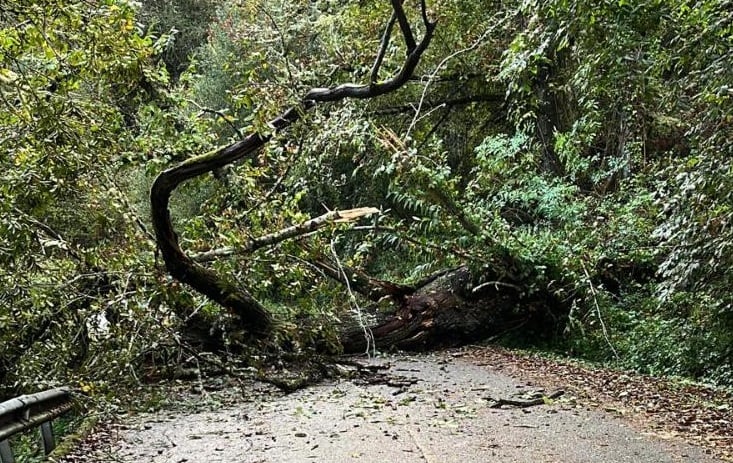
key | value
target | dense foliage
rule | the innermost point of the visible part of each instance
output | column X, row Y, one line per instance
column 590, row 141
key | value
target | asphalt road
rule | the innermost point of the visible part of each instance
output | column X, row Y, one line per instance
column 445, row 417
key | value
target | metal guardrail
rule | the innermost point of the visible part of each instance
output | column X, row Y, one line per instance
column 28, row 411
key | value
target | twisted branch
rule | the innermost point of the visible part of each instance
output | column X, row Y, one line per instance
column 228, row 293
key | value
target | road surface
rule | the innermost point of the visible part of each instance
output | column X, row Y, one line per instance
column 448, row 415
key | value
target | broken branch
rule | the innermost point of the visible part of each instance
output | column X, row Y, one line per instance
column 290, row 232
column 225, row 291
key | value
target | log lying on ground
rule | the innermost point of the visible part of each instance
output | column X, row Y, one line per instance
column 452, row 309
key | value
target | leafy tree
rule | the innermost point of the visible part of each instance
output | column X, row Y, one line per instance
column 71, row 75
column 185, row 24
column 695, row 233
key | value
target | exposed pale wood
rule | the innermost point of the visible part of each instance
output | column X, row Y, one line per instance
column 308, row 226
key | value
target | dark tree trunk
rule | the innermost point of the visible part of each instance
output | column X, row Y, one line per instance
column 452, row 309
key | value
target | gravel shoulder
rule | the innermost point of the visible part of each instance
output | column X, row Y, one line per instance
column 446, row 415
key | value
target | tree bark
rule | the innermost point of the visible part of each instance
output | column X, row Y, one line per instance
column 453, row 309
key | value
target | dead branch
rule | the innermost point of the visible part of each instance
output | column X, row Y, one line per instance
column 290, row 232
column 541, row 399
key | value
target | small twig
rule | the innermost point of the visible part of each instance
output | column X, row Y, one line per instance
column 428, row 136
column 130, row 209
column 496, row 285
column 427, row 455
column 356, row 309
column 277, row 184
column 173, row 444
column 220, row 114
column 598, row 310
column 523, row 403
column 68, row 247
column 471, row 47
column 283, row 45
column 225, row 118
column 361, row 366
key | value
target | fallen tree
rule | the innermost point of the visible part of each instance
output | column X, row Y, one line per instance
column 452, row 306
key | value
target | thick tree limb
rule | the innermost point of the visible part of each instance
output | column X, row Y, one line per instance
column 443, row 310
column 290, row 232
column 399, row 12
column 231, row 295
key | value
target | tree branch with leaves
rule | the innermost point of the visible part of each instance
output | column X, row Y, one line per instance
column 234, row 295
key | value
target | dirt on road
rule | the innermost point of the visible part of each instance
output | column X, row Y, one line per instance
column 441, row 408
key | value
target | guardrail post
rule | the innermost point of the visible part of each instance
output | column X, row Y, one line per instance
column 27, row 412
column 6, row 455
column 47, row 437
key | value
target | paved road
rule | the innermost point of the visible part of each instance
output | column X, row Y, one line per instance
column 445, row 417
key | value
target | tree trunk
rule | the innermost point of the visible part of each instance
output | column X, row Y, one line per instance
column 452, row 309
